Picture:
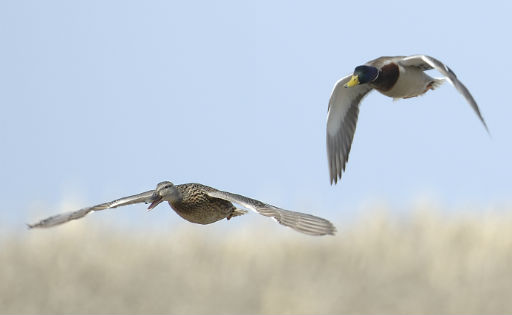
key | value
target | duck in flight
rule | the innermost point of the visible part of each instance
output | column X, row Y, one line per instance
column 202, row 204
column 397, row 77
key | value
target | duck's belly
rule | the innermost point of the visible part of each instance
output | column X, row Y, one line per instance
column 411, row 83
column 203, row 214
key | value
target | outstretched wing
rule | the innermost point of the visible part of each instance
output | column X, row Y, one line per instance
column 427, row 63
column 341, row 124
column 302, row 222
column 145, row 197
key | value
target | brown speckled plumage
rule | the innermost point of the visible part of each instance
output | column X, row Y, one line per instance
column 197, row 207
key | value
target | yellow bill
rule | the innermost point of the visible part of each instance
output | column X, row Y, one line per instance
column 353, row 81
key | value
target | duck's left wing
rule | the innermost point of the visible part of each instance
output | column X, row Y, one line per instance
column 425, row 62
column 145, row 197
column 301, row 222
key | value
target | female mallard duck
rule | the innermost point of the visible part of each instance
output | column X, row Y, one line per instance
column 396, row 77
column 204, row 205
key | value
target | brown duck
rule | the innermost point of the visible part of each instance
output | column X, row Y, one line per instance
column 202, row 204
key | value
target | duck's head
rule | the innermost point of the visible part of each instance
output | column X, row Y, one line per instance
column 165, row 191
column 363, row 74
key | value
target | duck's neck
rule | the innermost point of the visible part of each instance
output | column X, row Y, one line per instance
column 175, row 197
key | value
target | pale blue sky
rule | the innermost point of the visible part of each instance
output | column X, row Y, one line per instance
column 102, row 99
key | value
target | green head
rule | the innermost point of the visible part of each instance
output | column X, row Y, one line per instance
column 363, row 74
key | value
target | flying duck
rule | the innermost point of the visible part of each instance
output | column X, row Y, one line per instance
column 202, row 204
column 397, row 77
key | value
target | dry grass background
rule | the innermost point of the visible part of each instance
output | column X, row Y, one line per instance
column 420, row 263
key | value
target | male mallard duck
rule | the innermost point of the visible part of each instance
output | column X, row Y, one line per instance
column 396, row 77
column 204, row 205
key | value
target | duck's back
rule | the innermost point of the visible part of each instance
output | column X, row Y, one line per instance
column 397, row 81
column 197, row 207
column 384, row 60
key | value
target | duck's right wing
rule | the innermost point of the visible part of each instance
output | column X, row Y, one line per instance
column 301, row 222
column 341, row 124
column 145, row 197
column 425, row 62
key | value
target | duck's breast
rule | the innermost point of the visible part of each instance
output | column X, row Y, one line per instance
column 197, row 207
column 411, row 82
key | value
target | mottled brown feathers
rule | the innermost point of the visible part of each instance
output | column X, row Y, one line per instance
column 196, row 206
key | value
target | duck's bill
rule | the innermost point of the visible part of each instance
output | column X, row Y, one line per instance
column 353, row 81
column 156, row 201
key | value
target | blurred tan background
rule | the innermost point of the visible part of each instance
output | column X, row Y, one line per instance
column 420, row 262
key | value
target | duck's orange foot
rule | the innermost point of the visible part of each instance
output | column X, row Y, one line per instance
column 430, row 86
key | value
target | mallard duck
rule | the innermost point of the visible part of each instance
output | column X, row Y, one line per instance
column 397, row 77
column 202, row 204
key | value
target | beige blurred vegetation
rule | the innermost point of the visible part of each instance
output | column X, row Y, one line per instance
column 424, row 262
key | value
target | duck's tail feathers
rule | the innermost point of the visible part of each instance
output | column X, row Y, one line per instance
column 437, row 83
column 237, row 212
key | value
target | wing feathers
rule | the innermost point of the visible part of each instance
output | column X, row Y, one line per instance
column 73, row 215
column 426, row 63
column 302, row 222
column 341, row 124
